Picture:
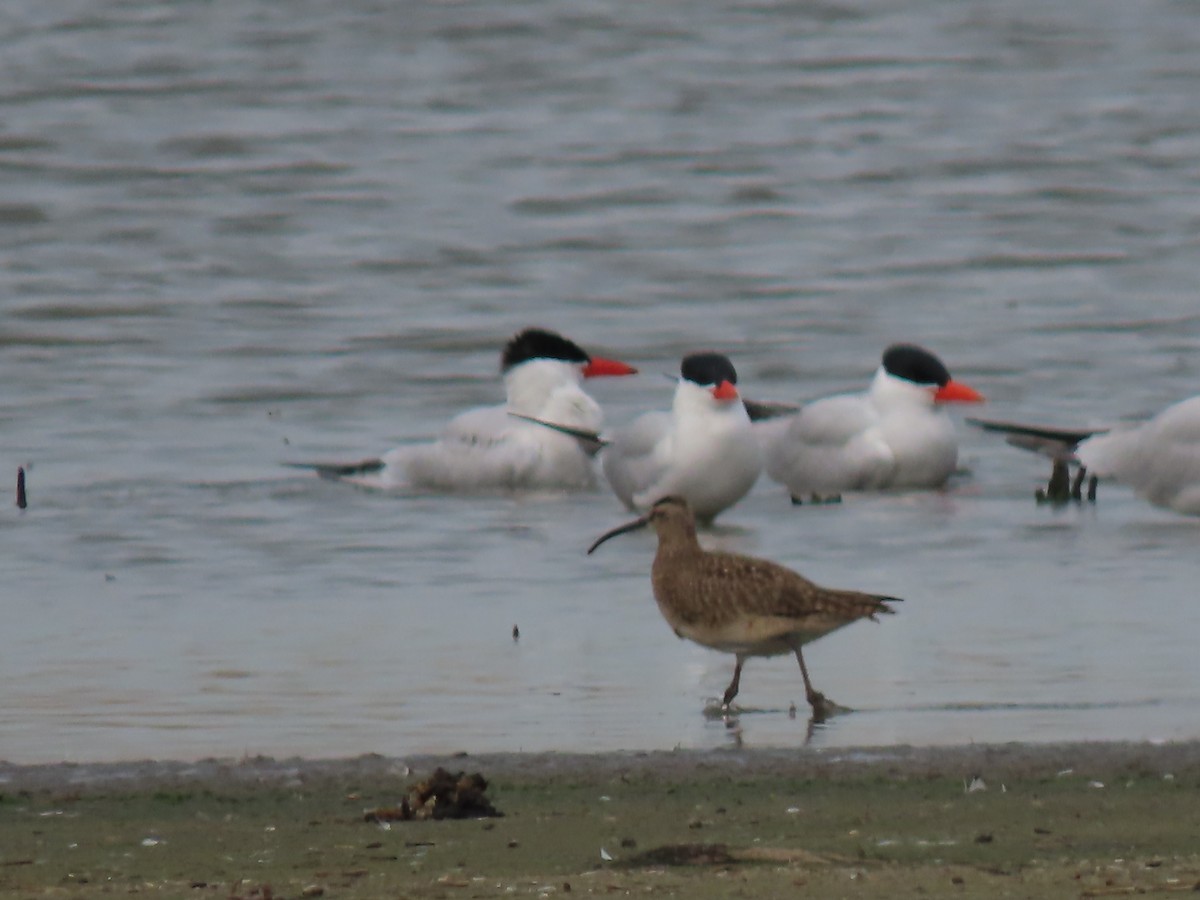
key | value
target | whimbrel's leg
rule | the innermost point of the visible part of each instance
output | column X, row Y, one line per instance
column 731, row 691
column 820, row 706
column 1091, row 495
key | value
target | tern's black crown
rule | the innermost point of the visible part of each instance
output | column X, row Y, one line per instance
column 537, row 343
column 915, row 364
column 708, row 368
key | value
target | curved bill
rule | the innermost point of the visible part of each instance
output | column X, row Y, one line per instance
column 620, row 529
column 957, row 392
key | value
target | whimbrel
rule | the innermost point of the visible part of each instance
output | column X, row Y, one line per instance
column 741, row 604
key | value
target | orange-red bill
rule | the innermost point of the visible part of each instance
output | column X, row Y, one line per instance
column 600, row 366
column 725, row 391
column 957, row 392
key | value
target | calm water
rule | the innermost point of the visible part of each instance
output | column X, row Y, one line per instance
column 233, row 235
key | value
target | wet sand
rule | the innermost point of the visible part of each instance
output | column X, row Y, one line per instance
column 1003, row 820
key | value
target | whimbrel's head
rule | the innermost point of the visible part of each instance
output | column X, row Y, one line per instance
column 668, row 516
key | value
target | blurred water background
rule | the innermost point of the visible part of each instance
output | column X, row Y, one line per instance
column 233, row 235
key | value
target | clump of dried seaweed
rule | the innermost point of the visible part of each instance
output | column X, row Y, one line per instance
column 443, row 795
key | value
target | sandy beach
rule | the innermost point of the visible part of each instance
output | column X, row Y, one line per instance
column 1012, row 820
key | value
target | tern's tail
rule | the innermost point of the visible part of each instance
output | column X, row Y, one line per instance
column 339, row 470
column 1057, row 443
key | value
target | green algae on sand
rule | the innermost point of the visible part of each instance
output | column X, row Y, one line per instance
column 1081, row 820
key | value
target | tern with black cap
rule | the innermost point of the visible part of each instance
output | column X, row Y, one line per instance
column 896, row 434
column 1159, row 458
column 703, row 450
column 494, row 447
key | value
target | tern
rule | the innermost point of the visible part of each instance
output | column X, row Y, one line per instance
column 896, row 434
column 1159, row 459
column 493, row 447
column 703, row 450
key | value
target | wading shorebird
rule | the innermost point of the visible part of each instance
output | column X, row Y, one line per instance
column 741, row 604
column 1159, row 459
column 494, row 447
column 896, row 434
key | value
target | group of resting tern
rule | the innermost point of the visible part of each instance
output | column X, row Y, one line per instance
column 712, row 445
column 706, row 449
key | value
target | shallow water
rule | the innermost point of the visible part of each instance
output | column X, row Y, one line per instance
column 239, row 236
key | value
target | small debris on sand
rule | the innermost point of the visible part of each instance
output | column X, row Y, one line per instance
column 724, row 855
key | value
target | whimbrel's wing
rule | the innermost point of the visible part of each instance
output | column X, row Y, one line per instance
column 727, row 585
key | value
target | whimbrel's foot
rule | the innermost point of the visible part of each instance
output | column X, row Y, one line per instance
column 820, row 706
column 823, row 707
column 817, row 499
column 715, row 711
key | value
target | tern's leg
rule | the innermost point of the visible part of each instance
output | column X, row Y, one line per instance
column 1059, row 488
column 817, row 499
column 1077, row 484
column 731, row 691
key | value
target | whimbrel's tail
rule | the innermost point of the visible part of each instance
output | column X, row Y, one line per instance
column 856, row 605
column 849, row 606
column 881, row 605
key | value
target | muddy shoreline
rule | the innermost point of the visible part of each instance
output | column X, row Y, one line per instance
column 1015, row 760
column 1036, row 821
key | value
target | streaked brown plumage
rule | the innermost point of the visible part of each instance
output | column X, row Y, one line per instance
column 741, row 604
